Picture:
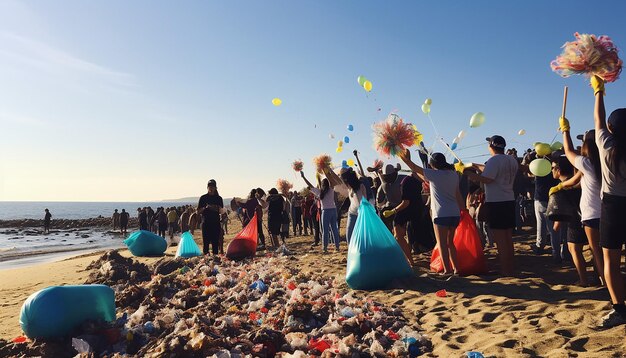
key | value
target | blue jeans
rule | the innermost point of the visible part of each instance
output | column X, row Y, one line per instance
column 544, row 226
column 350, row 226
column 329, row 223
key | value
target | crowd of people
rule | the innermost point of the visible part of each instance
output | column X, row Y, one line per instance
column 423, row 208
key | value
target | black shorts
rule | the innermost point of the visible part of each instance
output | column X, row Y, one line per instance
column 501, row 215
column 576, row 233
column 592, row 223
column 402, row 217
column 612, row 234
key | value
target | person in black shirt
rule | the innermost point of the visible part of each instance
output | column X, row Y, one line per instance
column 209, row 207
column 46, row 222
column 143, row 219
column 124, row 216
column 275, row 205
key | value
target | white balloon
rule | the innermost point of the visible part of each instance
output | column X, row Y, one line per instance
column 456, row 140
column 521, row 132
column 462, row 134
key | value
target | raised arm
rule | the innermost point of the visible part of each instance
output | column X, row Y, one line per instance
column 333, row 178
column 308, row 183
column 406, row 158
column 568, row 146
column 358, row 161
column 599, row 113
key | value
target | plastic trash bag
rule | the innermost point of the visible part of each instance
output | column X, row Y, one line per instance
column 145, row 243
column 244, row 243
column 56, row 311
column 374, row 256
column 187, row 246
column 469, row 249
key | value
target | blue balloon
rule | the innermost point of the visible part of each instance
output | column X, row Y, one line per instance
column 455, row 161
column 344, row 164
column 350, row 127
column 346, row 139
column 453, row 147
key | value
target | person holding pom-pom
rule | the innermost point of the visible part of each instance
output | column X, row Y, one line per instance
column 611, row 141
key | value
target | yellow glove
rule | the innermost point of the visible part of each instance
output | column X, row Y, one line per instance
column 388, row 213
column 597, row 84
column 459, row 167
column 563, row 124
column 555, row 188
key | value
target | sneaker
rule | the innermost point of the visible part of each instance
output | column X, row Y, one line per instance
column 612, row 319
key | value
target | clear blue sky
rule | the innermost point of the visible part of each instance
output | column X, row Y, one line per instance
column 143, row 100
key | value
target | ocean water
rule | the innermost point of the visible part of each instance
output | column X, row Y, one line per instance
column 28, row 246
column 10, row 210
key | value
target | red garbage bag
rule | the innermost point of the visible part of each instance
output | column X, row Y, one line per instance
column 244, row 243
column 469, row 249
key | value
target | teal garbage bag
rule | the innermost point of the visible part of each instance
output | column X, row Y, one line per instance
column 374, row 256
column 57, row 310
column 187, row 247
column 145, row 243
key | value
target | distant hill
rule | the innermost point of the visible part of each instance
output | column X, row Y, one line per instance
column 191, row 199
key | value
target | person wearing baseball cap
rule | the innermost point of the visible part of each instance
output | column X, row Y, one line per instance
column 209, row 207
column 498, row 175
column 611, row 142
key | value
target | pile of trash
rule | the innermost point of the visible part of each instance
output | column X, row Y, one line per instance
column 254, row 308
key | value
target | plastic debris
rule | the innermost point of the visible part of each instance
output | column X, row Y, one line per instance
column 261, row 307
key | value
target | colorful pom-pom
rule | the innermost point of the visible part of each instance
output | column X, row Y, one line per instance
column 322, row 161
column 297, row 165
column 392, row 136
column 283, row 186
column 589, row 55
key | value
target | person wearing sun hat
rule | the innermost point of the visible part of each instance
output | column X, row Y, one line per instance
column 498, row 176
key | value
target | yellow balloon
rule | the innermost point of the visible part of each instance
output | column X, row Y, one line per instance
column 350, row 162
column 428, row 101
column 277, row 102
column 340, row 144
column 367, row 85
column 339, row 149
column 543, row 149
column 426, row 108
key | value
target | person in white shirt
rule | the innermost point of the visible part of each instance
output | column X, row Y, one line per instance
column 446, row 203
column 611, row 142
column 348, row 184
column 328, row 221
column 498, row 175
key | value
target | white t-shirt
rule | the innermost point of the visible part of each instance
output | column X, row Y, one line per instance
column 590, row 201
column 443, row 187
column 612, row 183
column 502, row 169
column 329, row 199
column 354, row 196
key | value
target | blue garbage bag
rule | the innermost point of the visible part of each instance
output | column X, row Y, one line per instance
column 374, row 256
column 187, row 247
column 57, row 310
column 145, row 243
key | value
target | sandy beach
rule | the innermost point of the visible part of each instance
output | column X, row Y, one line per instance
column 534, row 314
